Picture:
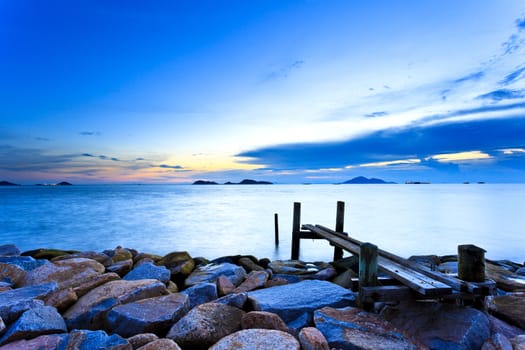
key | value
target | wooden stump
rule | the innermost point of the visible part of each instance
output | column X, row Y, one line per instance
column 296, row 230
column 367, row 272
column 471, row 263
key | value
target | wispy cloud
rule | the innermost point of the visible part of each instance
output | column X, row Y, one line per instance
column 166, row 166
column 90, row 133
column 503, row 94
column 45, row 139
column 284, row 71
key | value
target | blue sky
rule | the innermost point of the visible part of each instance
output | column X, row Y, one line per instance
column 286, row 91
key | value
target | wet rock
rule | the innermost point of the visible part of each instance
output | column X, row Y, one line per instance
column 139, row 340
column 505, row 279
column 276, row 281
column 235, row 300
column 149, row 271
column 344, row 279
column 27, row 263
column 121, row 268
column 100, row 257
column 518, row 343
column 295, row 300
column 12, row 274
column 152, row 315
column 205, row 325
column 85, row 339
column 254, row 280
column 14, row 302
column 348, row 263
column 93, row 282
column 497, row 342
column 9, row 250
column 441, row 326
column 509, row 308
column 209, row 274
column 33, row 323
column 201, row 293
column 89, row 311
column 141, row 256
column 250, row 264
column 250, row 339
column 48, row 254
column 179, row 263
column 43, row 342
column 263, row 320
column 161, row 344
column 352, row 328
column 61, row 299
column 121, row 254
column 224, row 286
column 67, row 273
column 292, row 267
column 311, row 338
column 325, row 274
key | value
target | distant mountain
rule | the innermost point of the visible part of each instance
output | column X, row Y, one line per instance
column 204, row 182
column 7, row 183
column 249, row 182
column 64, row 183
column 364, row 180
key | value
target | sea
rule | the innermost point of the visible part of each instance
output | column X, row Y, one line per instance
column 218, row 220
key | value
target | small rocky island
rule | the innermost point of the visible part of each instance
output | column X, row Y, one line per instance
column 364, row 180
column 243, row 182
column 7, row 183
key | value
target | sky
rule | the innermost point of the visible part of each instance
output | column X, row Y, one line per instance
column 286, row 91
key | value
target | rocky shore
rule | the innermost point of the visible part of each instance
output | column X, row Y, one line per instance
column 125, row 299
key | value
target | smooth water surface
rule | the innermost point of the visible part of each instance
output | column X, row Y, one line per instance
column 213, row 221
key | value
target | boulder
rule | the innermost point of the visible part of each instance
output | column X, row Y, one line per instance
column 344, row 279
column 152, row 257
column 161, row 344
column 292, row 301
column 85, row 339
column 67, row 273
column 263, row 320
column 235, row 300
column 148, row 271
column 352, row 328
column 14, row 302
column 179, row 263
column 61, row 299
column 249, row 265
column 11, row 273
column 100, row 257
column 325, row 274
column 94, row 281
column 518, row 343
column 201, row 293
column 311, row 338
column 500, row 326
column 276, row 281
column 505, row 279
column 33, row 323
column 441, row 326
column 224, row 286
column 209, row 274
column 89, row 311
column 139, row 340
column 497, row 342
column 204, row 325
column 47, row 253
column 43, row 342
column 9, row 250
column 510, row 308
column 121, row 254
column 27, row 263
column 292, row 267
column 254, row 280
column 250, row 339
column 121, row 268
column 153, row 315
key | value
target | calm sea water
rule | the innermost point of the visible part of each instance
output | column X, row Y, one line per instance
column 213, row 221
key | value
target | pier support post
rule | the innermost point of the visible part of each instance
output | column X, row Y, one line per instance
column 367, row 272
column 471, row 263
column 296, row 230
column 276, row 223
column 339, row 227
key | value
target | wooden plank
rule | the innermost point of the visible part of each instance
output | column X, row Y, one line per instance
column 455, row 283
column 415, row 280
column 339, row 227
column 296, row 227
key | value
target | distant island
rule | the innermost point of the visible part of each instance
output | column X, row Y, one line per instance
column 364, row 180
column 7, row 183
column 243, row 182
column 63, row 183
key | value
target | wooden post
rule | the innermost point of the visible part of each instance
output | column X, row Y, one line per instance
column 276, row 222
column 471, row 263
column 339, row 227
column 296, row 230
column 367, row 272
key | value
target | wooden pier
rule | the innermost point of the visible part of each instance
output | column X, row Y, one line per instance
column 413, row 280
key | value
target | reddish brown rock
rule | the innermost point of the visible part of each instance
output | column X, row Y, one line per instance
column 311, row 338
column 224, row 286
column 263, row 320
column 100, row 257
column 250, row 339
column 509, row 308
column 43, row 342
column 61, row 299
column 161, row 344
column 121, row 268
column 254, row 280
column 139, row 340
column 12, row 274
column 93, row 282
column 275, row 281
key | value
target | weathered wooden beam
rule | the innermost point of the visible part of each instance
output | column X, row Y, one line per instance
column 276, row 224
column 385, row 293
column 471, row 263
column 367, row 272
column 296, row 228
column 339, row 227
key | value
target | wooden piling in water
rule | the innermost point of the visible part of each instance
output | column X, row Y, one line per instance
column 368, row 257
column 276, row 222
column 471, row 263
column 296, row 230
column 339, row 227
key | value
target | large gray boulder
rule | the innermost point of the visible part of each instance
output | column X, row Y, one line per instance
column 90, row 310
column 33, row 323
column 441, row 326
column 85, row 339
column 14, row 302
column 205, row 324
column 250, row 339
column 201, row 293
column 152, row 315
column 148, row 270
column 354, row 329
column 300, row 300
column 209, row 274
